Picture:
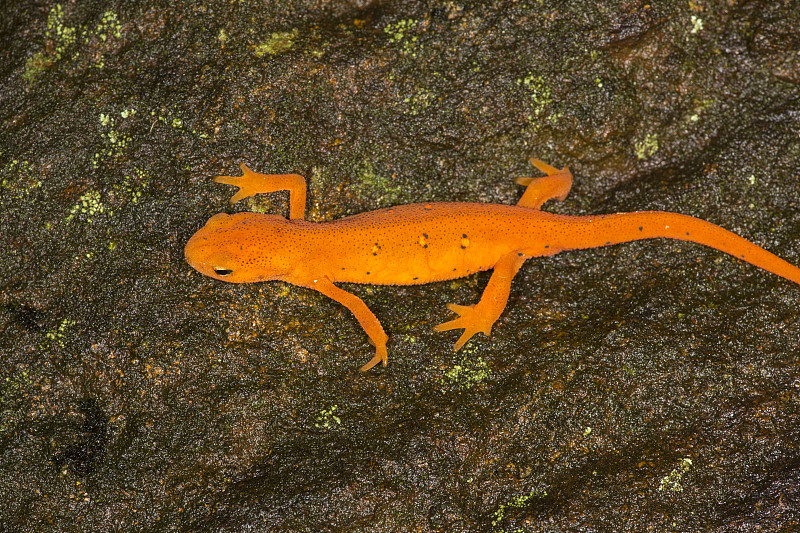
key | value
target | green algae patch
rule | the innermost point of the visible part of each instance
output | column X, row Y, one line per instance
column 14, row 389
column 697, row 24
column 109, row 26
column 61, row 37
column 539, row 92
column 132, row 187
column 56, row 336
column 672, row 481
column 518, row 501
column 327, row 419
column 400, row 34
column 371, row 183
column 277, row 43
column 18, row 177
column 89, row 205
column 647, row 147
column 466, row 374
column 115, row 140
column 419, row 101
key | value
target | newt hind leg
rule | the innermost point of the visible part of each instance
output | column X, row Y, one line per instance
column 252, row 183
column 556, row 185
column 482, row 316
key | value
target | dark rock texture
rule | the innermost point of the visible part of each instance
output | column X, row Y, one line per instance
column 651, row 386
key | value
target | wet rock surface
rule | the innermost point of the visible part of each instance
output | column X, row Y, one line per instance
column 650, row 386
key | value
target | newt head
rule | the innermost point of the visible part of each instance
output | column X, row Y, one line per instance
column 241, row 248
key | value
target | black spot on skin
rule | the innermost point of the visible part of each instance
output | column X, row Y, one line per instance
column 463, row 247
column 546, row 246
column 640, row 228
column 368, row 273
column 608, row 242
column 687, row 233
column 425, row 246
column 425, row 235
column 463, row 235
column 416, row 279
column 518, row 253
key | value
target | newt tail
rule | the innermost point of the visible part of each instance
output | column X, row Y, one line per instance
column 604, row 230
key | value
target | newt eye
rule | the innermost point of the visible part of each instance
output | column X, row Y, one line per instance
column 222, row 271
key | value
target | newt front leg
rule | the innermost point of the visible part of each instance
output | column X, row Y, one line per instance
column 362, row 313
column 252, row 183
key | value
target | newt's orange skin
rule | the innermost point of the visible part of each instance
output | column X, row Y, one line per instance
column 421, row 243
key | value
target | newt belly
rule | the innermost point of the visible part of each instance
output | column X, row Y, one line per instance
column 422, row 243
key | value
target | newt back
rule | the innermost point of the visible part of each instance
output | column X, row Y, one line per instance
column 421, row 243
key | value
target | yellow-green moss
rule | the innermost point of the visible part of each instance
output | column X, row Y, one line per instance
column 540, row 94
column 116, row 141
column 18, row 177
column 326, row 418
column 466, row 374
column 399, row 33
column 672, row 481
column 371, row 182
column 60, row 35
column 647, row 147
column 517, row 501
column 109, row 25
column 418, row 101
column 55, row 336
column 89, row 204
column 277, row 43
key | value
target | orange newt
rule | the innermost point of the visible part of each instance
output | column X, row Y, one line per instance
column 422, row 243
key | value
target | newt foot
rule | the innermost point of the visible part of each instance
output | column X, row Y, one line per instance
column 380, row 357
column 471, row 319
column 246, row 183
